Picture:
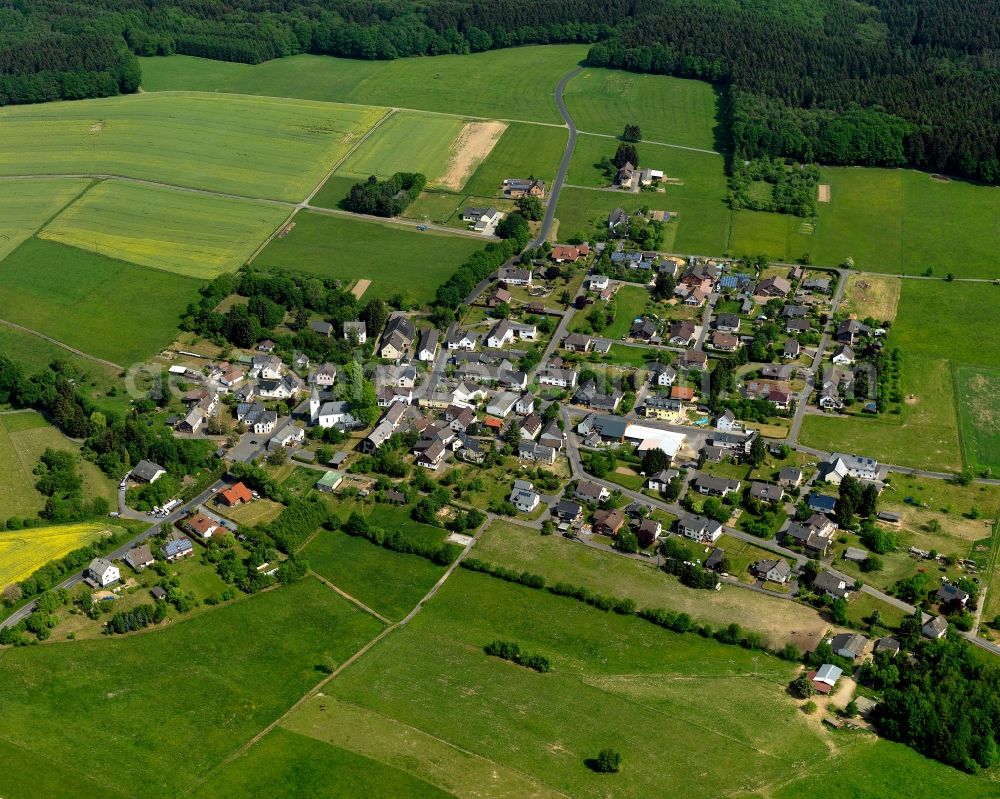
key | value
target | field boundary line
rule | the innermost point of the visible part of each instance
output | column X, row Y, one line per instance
column 337, row 671
column 350, row 598
column 658, row 143
column 350, row 151
column 341, row 701
column 364, row 105
column 65, row 346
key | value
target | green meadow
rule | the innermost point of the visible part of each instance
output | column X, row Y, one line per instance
column 942, row 424
column 26, row 205
column 190, row 234
column 253, row 146
column 896, row 221
column 391, row 256
column 668, row 110
column 123, row 713
column 516, row 83
column 388, row 582
column 104, row 307
column 23, row 438
column 405, row 142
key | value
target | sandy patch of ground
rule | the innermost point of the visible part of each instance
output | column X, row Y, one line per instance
column 360, row 288
column 912, row 399
column 97, row 127
column 876, row 296
column 472, row 145
column 823, row 192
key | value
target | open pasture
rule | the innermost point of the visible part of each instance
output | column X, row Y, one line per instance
column 978, row 395
column 253, row 146
column 190, row 234
column 896, row 221
column 556, row 559
column 304, row 766
column 106, row 308
column 22, row 552
column 391, row 256
column 390, row 583
column 24, row 436
column 668, row 110
column 869, row 295
column 614, row 681
column 406, row 142
column 25, row 205
column 217, row 678
column 515, row 83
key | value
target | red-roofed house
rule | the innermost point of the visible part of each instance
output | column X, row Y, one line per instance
column 202, row 525
column 235, row 495
column 682, row 393
column 569, row 252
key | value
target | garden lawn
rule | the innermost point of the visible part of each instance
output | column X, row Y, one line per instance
column 516, row 83
column 398, row 260
column 253, row 146
column 923, row 435
column 558, row 559
column 304, row 766
column 177, row 231
column 436, row 206
column 775, row 235
column 669, row 110
column 522, row 151
column 646, row 688
column 107, row 308
column 391, row 583
column 25, row 205
column 406, row 142
column 631, row 302
column 217, row 679
column 946, row 360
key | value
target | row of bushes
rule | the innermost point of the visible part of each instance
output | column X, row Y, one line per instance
column 295, row 523
column 479, row 266
column 141, row 616
column 732, row 634
column 385, row 197
column 508, row 650
column 441, row 554
column 690, row 574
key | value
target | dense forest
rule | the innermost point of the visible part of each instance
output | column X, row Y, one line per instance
column 890, row 82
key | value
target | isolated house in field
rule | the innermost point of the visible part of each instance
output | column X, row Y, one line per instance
column 515, row 188
column 951, row 594
column 103, row 572
column 856, row 466
column 147, row 471
column 832, row 585
column 825, row 677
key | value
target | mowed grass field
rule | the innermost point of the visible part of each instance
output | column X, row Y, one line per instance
column 190, row 234
column 24, row 436
column 897, row 221
column 103, row 307
column 406, row 142
column 22, row 552
column 390, row 583
column 25, row 205
column 395, row 258
column 253, row 146
column 939, row 328
column 669, row 110
column 516, row 83
column 128, row 710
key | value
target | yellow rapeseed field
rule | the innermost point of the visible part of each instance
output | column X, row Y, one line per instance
column 24, row 551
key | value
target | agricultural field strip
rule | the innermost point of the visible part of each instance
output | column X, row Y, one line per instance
column 350, row 661
column 61, row 344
